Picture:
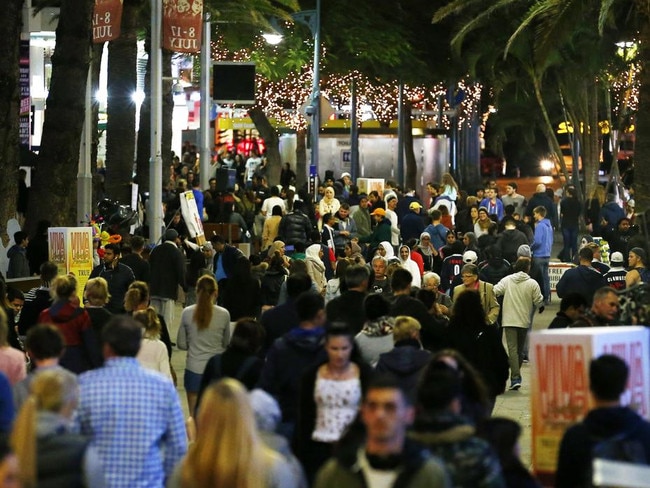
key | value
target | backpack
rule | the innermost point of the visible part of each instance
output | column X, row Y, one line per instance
column 620, row 448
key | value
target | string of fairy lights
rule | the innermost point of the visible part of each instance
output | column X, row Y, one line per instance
column 283, row 99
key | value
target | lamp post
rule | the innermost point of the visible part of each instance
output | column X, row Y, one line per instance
column 311, row 18
column 154, row 214
column 206, row 67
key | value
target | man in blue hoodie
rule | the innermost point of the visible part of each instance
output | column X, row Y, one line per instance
column 542, row 244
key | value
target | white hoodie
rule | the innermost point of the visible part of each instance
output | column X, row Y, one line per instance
column 521, row 295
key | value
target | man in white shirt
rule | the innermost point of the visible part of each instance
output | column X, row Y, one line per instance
column 252, row 164
column 272, row 201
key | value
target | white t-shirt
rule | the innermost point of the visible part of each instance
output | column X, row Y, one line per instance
column 376, row 478
column 269, row 203
column 251, row 167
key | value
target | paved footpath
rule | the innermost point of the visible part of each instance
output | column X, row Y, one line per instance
column 512, row 404
column 516, row 404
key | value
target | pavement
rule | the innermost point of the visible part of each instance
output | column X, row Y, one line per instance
column 512, row 404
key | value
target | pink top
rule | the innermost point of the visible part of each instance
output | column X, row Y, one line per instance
column 12, row 364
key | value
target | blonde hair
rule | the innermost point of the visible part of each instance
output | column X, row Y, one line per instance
column 63, row 287
column 206, row 287
column 97, row 291
column 405, row 327
column 137, row 294
column 150, row 322
column 227, row 450
column 599, row 194
column 50, row 391
column 448, row 180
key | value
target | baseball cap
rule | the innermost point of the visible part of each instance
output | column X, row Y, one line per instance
column 617, row 258
column 345, row 174
column 207, row 247
column 470, row 257
column 379, row 211
column 414, row 206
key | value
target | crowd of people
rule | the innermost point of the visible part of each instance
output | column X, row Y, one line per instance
column 360, row 344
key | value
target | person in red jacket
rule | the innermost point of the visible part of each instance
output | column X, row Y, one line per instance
column 81, row 353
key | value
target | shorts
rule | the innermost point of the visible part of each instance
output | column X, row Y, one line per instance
column 192, row 381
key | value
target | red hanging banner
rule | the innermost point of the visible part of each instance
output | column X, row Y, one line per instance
column 107, row 18
column 182, row 23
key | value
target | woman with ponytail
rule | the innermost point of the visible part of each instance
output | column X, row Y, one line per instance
column 203, row 332
column 153, row 353
column 49, row 453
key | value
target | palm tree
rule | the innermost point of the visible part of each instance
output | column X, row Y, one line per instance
column 10, row 24
column 557, row 35
column 120, row 128
column 53, row 195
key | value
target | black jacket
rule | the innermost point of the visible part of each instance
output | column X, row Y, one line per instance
column 432, row 333
column 285, row 364
column 36, row 300
column 139, row 266
column 406, row 362
column 295, row 228
column 119, row 278
column 167, row 271
column 574, row 460
column 583, row 279
column 484, row 350
column 348, row 308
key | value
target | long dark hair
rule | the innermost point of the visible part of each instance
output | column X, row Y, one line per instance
column 468, row 311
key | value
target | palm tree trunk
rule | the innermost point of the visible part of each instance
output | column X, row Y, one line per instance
column 10, row 24
column 144, row 131
column 270, row 136
column 409, row 155
column 53, row 194
column 547, row 127
column 120, row 128
column 301, row 157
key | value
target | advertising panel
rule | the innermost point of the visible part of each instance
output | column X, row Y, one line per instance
column 559, row 381
column 71, row 249
column 190, row 213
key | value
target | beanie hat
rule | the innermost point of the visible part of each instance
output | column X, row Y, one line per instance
column 524, row 251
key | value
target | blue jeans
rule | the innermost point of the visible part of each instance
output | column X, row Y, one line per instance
column 546, row 281
column 570, row 240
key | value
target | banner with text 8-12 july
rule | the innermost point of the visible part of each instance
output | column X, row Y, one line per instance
column 182, row 23
column 71, row 249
